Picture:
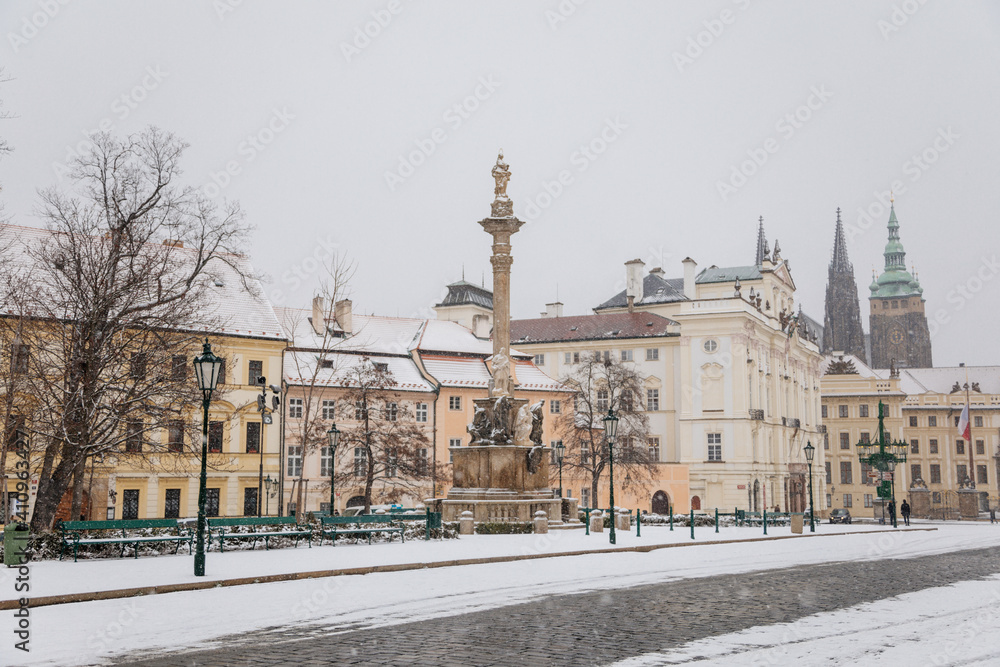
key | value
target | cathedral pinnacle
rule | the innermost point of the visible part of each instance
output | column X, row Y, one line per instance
column 840, row 262
column 763, row 251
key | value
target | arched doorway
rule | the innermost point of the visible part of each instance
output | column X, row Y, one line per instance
column 661, row 503
column 356, row 501
column 695, row 503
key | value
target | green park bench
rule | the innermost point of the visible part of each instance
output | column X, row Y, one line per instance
column 364, row 524
column 71, row 532
column 220, row 528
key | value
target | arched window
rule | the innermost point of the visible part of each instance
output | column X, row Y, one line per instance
column 356, row 501
column 661, row 503
column 695, row 503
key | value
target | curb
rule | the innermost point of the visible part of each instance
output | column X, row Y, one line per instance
column 399, row 567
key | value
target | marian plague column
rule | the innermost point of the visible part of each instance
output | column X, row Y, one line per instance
column 503, row 474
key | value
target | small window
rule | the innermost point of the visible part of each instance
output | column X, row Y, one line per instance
column 392, row 462
column 453, row 442
column 980, row 447
column 829, row 501
column 848, row 500
column 913, row 420
column 360, row 412
column 935, row 473
column 653, row 354
column 381, row 366
column 253, row 438
column 961, row 472
column 869, row 501
column 932, row 420
column 133, row 436
column 845, row 440
column 251, row 505
column 627, row 355
column 391, row 411
column 360, row 462
column 20, row 359
column 654, row 449
column 846, row 473
column 865, row 437
column 652, row 400
column 222, row 371
column 329, row 410
column 295, row 406
column 130, row 504
column 215, row 437
column 422, row 462
column 977, row 421
column 603, row 402
column 932, row 446
column 711, row 346
column 172, row 504
column 960, row 446
column 137, row 365
column 255, row 371
column 576, row 357
column 916, row 472
column 294, row 460
column 914, row 446
column 454, row 402
column 567, row 357
column 175, row 436
column 211, row 502
column 555, row 407
column 829, row 473
column 822, row 412
column 843, row 411
column 325, row 461
column 539, row 359
column 178, row 367
column 714, row 446
column 422, row 413
column 981, row 475
column 863, row 410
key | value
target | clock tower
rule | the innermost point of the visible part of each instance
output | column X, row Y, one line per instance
column 899, row 332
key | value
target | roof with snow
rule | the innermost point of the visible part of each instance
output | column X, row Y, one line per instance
column 729, row 274
column 235, row 306
column 942, row 380
column 609, row 326
column 655, row 289
column 463, row 293
column 334, row 370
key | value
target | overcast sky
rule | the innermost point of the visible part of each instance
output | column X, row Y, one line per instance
column 370, row 129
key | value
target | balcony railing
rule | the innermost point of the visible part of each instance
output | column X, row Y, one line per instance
column 821, row 428
column 757, row 415
column 791, row 422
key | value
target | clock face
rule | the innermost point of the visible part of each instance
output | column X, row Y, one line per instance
column 896, row 337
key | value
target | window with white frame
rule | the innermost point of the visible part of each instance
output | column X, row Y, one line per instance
column 392, row 462
column 653, row 354
column 325, row 461
column 391, row 411
column 294, row 460
column 329, row 410
column 423, row 461
column 454, row 402
column 627, row 355
column 359, row 410
column 585, row 497
column 603, row 401
column 714, row 446
column 295, row 408
column 652, row 400
column 869, row 501
column 848, row 500
column 555, row 407
column 829, row 501
column 422, row 413
column 539, row 360
column 360, row 462
column 654, row 449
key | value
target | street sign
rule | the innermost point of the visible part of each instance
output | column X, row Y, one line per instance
column 873, row 474
column 741, row 487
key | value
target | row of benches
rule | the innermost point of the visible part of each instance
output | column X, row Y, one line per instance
column 222, row 529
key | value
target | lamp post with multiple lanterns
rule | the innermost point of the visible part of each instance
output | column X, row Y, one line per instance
column 206, row 371
column 884, row 455
column 810, row 453
column 333, row 435
column 610, row 432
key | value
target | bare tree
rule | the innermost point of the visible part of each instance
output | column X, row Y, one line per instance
column 603, row 383
column 315, row 362
column 393, row 448
column 120, row 282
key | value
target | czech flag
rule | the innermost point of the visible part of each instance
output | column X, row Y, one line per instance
column 963, row 424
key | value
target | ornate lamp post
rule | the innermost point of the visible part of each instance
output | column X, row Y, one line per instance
column 884, row 455
column 206, row 372
column 270, row 490
column 810, row 453
column 560, row 449
column 334, row 436
column 610, row 432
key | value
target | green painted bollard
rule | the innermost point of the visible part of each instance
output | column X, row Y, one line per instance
column 692, row 523
column 765, row 521
column 671, row 519
column 716, row 519
column 586, row 522
column 638, row 523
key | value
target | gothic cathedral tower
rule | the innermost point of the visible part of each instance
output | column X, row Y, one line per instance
column 899, row 332
column 842, row 330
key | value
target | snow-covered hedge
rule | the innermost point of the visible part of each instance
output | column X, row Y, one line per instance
column 505, row 528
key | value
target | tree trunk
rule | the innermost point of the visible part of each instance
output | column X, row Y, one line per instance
column 78, row 477
column 50, row 493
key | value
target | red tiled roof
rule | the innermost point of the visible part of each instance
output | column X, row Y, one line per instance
column 615, row 326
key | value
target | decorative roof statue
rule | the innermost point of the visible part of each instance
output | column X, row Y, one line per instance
column 776, row 255
column 502, row 206
column 737, row 290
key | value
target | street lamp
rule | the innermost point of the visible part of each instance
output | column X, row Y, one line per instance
column 334, row 436
column 206, row 372
column 884, row 455
column 610, row 432
column 560, row 449
column 270, row 490
column 810, row 453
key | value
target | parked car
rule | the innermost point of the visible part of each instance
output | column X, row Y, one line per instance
column 840, row 516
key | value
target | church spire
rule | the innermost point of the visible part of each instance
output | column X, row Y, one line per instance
column 762, row 249
column 840, row 262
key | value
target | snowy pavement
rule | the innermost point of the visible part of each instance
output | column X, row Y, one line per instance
column 87, row 633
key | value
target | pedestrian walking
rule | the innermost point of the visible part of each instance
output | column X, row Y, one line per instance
column 892, row 512
column 993, row 515
column 904, row 509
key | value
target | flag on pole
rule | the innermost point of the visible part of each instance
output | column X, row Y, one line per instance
column 963, row 424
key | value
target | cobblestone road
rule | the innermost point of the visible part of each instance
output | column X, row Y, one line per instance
column 601, row 627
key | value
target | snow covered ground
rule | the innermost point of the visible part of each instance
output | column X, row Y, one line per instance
column 90, row 632
column 950, row 625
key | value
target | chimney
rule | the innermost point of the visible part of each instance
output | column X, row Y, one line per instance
column 553, row 310
column 344, row 315
column 659, row 273
column 481, row 326
column 633, row 281
column 689, row 269
column 319, row 316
